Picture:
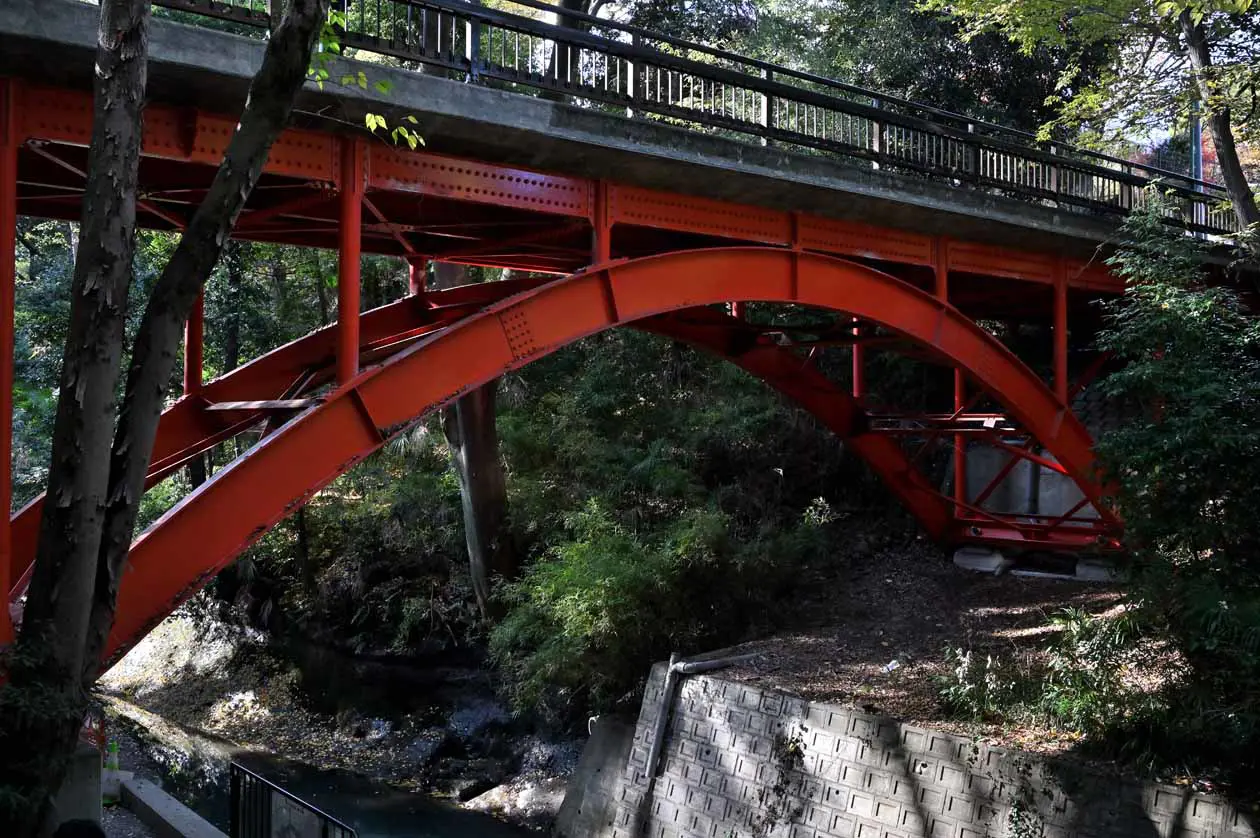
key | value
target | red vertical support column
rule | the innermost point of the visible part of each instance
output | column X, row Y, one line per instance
column 194, row 337
column 601, row 225
column 417, row 274
column 8, row 275
column 353, row 177
column 1061, row 384
column 737, row 310
column 960, row 383
column 859, row 362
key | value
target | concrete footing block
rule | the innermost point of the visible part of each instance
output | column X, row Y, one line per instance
column 982, row 560
column 1094, row 570
column 165, row 816
column 80, row 793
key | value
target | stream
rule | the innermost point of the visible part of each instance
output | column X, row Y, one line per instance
column 194, row 769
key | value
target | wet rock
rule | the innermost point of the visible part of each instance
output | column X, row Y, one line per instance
column 421, row 750
column 477, row 716
column 464, row 779
column 531, row 800
column 540, row 755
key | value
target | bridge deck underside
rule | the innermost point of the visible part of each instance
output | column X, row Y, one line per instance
column 422, row 206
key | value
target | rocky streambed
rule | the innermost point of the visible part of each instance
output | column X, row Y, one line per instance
column 328, row 722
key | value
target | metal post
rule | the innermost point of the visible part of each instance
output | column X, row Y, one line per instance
column 9, row 143
column 601, row 226
column 1196, row 165
column 632, row 74
column 960, row 382
column 352, row 177
column 472, row 48
column 767, row 107
column 859, row 363
column 1061, row 383
column 877, row 136
column 194, row 337
column 417, row 274
column 234, row 816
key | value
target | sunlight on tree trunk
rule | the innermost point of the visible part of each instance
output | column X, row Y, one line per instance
column 1219, row 126
column 472, row 434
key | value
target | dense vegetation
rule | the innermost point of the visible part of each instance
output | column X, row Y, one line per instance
column 1170, row 682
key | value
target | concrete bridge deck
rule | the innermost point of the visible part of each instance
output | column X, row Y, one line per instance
column 53, row 41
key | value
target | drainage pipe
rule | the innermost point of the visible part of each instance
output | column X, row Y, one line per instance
column 673, row 676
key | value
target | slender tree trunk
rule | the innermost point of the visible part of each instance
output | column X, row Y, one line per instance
column 1219, row 127
column 305, row 568
column 472, row 435
column 321, row 291
column 268, row 106
column 43, row 706
column 94, row 487
column 234, row 301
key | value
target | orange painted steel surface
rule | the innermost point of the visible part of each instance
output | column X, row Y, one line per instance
column 8, row 280
column 353, row 175
column 239, row 504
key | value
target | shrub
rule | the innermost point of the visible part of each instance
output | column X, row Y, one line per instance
column 586, row 621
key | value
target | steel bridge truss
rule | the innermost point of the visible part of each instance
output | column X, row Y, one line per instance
column 598, row 255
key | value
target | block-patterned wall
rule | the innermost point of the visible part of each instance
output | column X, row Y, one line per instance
column 744, row 762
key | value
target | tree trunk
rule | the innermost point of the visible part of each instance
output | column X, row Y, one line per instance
column 43, row 705
column 268, row 106
column 232, row 324
column 94, row 488
column 472, row 435
column 1219, row 127
column 305, row 568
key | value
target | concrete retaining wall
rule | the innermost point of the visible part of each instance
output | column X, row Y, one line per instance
column 741, row 762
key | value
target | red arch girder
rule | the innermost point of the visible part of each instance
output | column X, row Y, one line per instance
column 188, row 428
column 205, row 531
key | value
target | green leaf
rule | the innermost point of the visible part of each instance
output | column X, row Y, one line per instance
column 383, row 86
column 362, row 80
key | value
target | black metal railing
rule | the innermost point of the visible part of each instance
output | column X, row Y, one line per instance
column 604, row 64
column 261, row 809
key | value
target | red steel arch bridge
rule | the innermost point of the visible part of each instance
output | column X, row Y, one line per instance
column 907, row 224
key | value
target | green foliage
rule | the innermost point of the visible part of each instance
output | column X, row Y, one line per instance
column 589, row 618
column 1145, row 85
column 1186, row 476
column 976, row 689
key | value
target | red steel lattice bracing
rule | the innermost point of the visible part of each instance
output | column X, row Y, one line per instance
column 666, row 263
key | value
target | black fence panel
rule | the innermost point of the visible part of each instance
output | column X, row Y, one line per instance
column 261, row 809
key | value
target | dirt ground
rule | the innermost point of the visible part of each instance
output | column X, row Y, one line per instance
column 908, row 603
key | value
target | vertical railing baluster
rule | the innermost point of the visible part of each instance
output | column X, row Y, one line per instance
column 472, row 48
column 768, row 106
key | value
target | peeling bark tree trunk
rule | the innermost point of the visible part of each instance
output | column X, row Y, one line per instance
column 43, row 706
column 1219, row 127
column 94, row 487
column 472, row 435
